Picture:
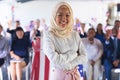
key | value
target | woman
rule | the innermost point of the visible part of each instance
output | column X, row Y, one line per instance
column 63, row 46
column 99, row 34
column 19, row 54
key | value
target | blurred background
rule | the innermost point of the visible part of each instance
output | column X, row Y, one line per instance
column 88, row 11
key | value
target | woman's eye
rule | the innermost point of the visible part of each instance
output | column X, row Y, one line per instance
column 67, row 15
column 60, row 15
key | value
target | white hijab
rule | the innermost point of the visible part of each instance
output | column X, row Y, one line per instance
column 57, row 30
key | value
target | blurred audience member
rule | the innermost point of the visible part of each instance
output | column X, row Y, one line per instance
column 19, row 54
column 35, row 32
column 4, row 47
column 94, row 49
column 82, row 32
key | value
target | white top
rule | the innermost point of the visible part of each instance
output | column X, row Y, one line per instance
column 95, row 50
column 62, row 52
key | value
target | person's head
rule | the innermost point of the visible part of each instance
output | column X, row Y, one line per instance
column 63, row 14
column 1, row 28
column 114, row 32
column 17, row 23
column 117, row 24
column 91, row 34
column 99, row 28
column 62, row 19
column 19, row 32
column 37, row 23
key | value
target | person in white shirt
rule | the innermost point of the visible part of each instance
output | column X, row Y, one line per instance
column 63, row 46
column 94, row 51
column 35, row 32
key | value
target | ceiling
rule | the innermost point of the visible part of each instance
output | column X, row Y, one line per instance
column 21, row 1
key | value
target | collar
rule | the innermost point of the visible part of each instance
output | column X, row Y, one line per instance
column 1, row 36
column 113, row 37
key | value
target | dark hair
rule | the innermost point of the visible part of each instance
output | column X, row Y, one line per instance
column 116, row 21
column 101, row 30
column 114, row 28
column 91, row 29
column 1, row 26
column 19, row 29
column 17, row 21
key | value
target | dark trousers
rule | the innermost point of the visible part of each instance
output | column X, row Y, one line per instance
column 1, row 62
column 108, row 67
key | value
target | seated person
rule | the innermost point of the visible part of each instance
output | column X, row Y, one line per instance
column 19, row 54
column 111, row 53
column 3, row 47
column 35, row 32
column 94, row 50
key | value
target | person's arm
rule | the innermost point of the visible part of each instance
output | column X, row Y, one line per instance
column 10, row 31
column 100, row 50
column 13, row 55
column 32, row 35
column 53, row 55
column 5, row 50
column 82, row 57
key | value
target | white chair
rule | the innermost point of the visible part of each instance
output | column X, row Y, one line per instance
column 1, row 70
column 1, row 75
column 115, row 74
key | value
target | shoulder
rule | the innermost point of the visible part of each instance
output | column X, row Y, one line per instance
column 48, row 35
column 97, row 41
column 118, row 39
column 84, row 40
column 75, row 34
column 4, row 39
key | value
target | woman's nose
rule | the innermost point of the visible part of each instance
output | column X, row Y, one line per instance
column 64, row 18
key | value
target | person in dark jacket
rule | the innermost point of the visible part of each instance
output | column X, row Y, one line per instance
column 111, row 53
column 19, row 53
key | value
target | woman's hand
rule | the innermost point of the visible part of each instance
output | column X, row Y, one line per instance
column 13, row 55
column 17, row 57
column 92, row 62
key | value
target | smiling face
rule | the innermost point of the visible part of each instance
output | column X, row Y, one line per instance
column 114, row 32
column 62, row 17
column 91, row 34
